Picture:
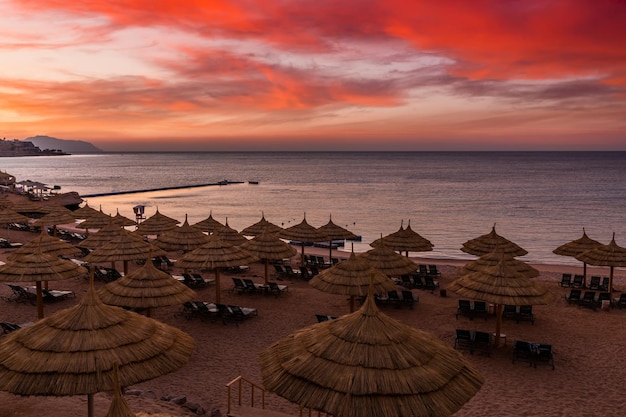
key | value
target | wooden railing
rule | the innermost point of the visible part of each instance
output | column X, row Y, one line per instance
column 239, row 382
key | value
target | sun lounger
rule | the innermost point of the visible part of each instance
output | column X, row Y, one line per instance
column 594, row 283
column 578, row 281
column 588, row 300
column 482, row 343
column 526, row 313
column 574, row 296
column 480, row 309
column 566, row 280
column 21, row 294
column 544, row 355
column 464, row 309
column 276, row 289
column 56, row 295
column 463, row 340
column 523, row 352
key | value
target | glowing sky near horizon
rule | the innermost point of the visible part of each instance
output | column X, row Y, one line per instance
column 316, row 75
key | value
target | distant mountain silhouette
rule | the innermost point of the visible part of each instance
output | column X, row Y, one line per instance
column 67, row 146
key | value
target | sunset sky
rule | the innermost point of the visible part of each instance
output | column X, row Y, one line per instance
column 316, row 75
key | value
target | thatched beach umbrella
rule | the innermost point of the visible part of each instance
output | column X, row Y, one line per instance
column 352, row 277
column 5, row 202
column 576, row 247
column 85, row 212
column 73, row 352
column 97, row 221
column 304, row 233
column 260, row 227
column 332, row 232
column 37, row 267
column 28, row 207
column 405, row 240
column 215, row 254
column 268, row 246
column 208, row 224
column 495, row 257
column 106, row 234
column 146, row 287
column 8, row 216
column 123, row 220
column 501, row 285
column 230, row 235
column 368, row 364
column 126, row 247
column 56, row 215
column 611, row 255
column 388, row 262
column 184, row 238
column 44, row 243
column 487, row 243
column 156, row 224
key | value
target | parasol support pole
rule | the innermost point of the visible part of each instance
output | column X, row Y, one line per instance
column 90, row 405
column 302, row 255
column 352, row 304
column 496, row 342
column 39, row 300
column 584, row 274
column 125, row 267
column 267, row 266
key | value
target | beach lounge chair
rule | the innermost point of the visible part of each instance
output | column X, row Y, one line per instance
column 621, row 301
column 464, row 309
column 430, row 283
column 422, row 270
column 190, row 310
column 251, row 286
column 463, row 340
column 523, row 352
column 56, row 295
column 238, row 286
column 588, row 300
column 433, row 271
column 566, row 280
column 480, row 309
column 482, row 343
column 276, row 289
column 238, row 313
column 544, row 355
column 408, row 298
column 604, row 286
column 578, row 281
column 526, row 313
column 324, row 317
column 405, row 281
column 291, row 273
column 21, row 294
column 510, row 312
column 574, row 296
column 594, row 282
column 604, row 296
column 281, row 272
column 418, row 282
column 304, row 273
column 9, row 327
column 393, row 298
column 201, row 281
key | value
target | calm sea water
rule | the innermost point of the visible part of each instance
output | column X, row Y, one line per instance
column 538, row 200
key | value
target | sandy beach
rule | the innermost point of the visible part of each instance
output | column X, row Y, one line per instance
column 589, row 346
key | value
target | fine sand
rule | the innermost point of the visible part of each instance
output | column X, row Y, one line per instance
column 589, row 348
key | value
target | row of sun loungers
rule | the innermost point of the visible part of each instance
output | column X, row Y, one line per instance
column 533, row 353
column 518, row 313
column 590, row 299
column 419, row 281
column 596, row 282
column 224, row 312
column 247, row 286
column 194, row 280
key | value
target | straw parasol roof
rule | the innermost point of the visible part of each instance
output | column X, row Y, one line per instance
column 27, row 206
column 208, row 224
column 37, row 267
column 576, row 247
column 260, row 227
column 97, row 221
column 85, row 212
column 405, row 240
column 268, row 246
column 487, row 243
column 44, row 243
column 501, row 284
column 184, row 238
column 5, row 202
column 333, row 231
column 352, row 277
column 126, row 247
column 146, row 287
column 388, row 262
column 156, row 224
column 8, row 215
column 611, row 255
column 366, row 363
column 107, row 234
column 123, row 220
column 56, row 215
column 230, row 235
column 493, row 258
column 73, row 352
column 215, row 254
column 303, row 232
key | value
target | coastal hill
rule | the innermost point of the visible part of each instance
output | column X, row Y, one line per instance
column 67, row 146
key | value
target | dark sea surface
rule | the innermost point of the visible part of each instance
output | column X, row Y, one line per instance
column 539, row 200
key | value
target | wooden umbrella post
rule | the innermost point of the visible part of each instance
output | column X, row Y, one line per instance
column 218, row 287
column 499, row 307
column 39, row 300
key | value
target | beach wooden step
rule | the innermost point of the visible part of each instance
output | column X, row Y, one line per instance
column 255, row 412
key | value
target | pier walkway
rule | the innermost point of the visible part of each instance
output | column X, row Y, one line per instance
column 147, row 190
